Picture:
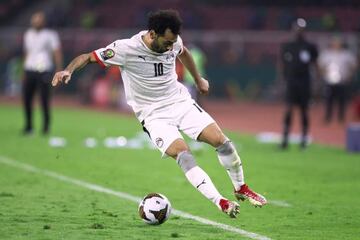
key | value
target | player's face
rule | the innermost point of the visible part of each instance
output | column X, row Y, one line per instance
column 163, row 43
column 38, row 20
column 336, row 44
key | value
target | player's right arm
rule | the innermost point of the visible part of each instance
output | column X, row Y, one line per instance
column 112, row 55
column 77, row 63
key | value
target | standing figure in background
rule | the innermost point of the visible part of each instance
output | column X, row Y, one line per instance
column 297, row 57
column 42, row 47
column 200, row 61
column 337, row 66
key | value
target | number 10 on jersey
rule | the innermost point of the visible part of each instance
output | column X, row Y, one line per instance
column 159, row 69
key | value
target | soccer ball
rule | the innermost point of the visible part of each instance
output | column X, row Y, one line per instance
column 154, row 209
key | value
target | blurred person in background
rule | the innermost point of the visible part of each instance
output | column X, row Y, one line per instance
column 164, row 106
column 297, row 57
column 337, row 67
column 42, row 48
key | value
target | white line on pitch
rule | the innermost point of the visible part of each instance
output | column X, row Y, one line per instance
column 279, row 203
column 126, row 196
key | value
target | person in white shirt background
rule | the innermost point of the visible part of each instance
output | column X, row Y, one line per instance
column 164, row 106
column 337, row 66
column 43, row 55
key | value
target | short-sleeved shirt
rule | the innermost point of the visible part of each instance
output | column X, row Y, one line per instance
column 150, row 79
column 297, row 57
column 337, row 65
column 39, row 46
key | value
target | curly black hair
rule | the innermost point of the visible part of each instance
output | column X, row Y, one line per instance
column 160, row 20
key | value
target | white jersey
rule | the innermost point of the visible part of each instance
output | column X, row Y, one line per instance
column 150, row 79
column 338, row 65
column 39, row 46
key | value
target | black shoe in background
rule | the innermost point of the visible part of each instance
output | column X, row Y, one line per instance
column 303, row 145
column 284, row 145
column 27, row 132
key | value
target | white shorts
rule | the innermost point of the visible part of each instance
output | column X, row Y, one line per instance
column 163, row 125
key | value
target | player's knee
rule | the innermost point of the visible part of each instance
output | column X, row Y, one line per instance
column 226, row 148
column 212, row 135
column 227, row 155
column 186, row 161
column 176, row 147
column 220, row 138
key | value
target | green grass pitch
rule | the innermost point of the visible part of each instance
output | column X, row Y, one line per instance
column 321, row 185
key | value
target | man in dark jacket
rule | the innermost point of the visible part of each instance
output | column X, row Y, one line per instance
column 297, row 57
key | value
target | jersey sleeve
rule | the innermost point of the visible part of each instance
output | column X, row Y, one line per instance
column 178, row 46
column 352, row 59
column 26, row 41
column 113, row 54
column 54, row 40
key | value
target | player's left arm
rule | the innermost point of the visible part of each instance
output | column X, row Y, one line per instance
column 188, row 61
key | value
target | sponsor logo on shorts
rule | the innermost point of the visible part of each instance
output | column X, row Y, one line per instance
column 107, row 54
column 159, row 142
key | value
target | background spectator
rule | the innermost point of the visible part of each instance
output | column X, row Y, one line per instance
column 337, row 66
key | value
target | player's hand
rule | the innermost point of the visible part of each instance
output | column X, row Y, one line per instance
column 59, row 77
column 203, row 86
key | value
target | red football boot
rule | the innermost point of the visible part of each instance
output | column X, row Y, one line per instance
column 230, row 208
column 254, row 198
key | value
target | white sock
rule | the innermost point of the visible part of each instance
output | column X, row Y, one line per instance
column 202, row 182
column 231, row 161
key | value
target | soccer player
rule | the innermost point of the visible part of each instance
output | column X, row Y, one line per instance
column 164, row 106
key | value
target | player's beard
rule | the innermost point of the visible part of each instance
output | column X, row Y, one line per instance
column 155, row 46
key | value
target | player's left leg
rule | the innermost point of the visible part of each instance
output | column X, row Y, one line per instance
column 231, row 161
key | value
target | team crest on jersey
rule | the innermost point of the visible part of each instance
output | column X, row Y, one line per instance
column 170, row 56
column 107, row 54
column 159, row 142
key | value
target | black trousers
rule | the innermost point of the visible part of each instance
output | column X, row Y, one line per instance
column 335, row 94
column 297, row 96
column 36, row 81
